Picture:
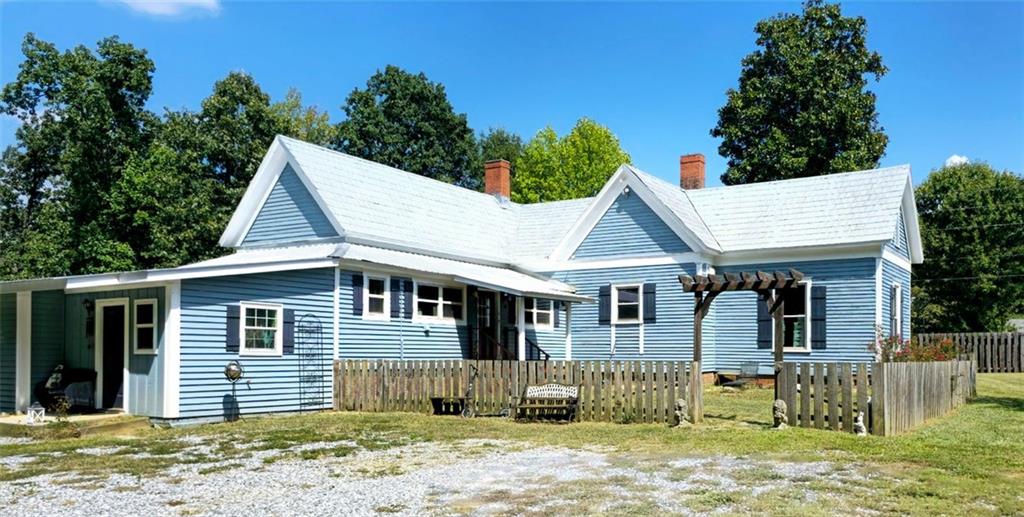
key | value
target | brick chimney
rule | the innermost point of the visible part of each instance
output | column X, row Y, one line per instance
column 691, row 171
column 498, row 178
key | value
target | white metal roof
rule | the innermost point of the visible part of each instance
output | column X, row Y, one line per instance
column 835, row 209
column 491, row 277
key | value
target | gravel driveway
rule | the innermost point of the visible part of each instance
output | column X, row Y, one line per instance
column 477, row 477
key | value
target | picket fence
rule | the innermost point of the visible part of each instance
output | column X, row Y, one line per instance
column 996, row 352
column 610, row 391
column 892, row 398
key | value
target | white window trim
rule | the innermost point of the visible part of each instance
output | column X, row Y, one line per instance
column 417, row 317
column 278, row 349
column 367, row 315
column 640, row 304
column 136, row 326
column 806, row 349
column 896, row 311
column 550, row 325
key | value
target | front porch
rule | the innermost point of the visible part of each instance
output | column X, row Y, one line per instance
column 505, row 327
column 96, row 352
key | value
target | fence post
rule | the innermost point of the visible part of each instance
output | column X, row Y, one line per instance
column 696, row 393
column 878, row 399
column 336, row 398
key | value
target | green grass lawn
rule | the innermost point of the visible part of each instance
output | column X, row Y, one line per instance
column 971, row 461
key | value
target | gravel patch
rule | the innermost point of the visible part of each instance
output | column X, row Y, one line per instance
column 473, row 477
column 10, row 440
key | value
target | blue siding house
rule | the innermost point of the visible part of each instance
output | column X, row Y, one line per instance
column 334, row 257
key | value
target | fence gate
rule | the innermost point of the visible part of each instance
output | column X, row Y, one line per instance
column 312, row 363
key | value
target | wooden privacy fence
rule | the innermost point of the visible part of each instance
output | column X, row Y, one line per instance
column 610, row 391
column 893, row 397
column 996, row 352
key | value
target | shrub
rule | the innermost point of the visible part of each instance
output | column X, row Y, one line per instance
column 895, row 349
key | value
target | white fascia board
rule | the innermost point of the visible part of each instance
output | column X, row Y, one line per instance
column 547, row 266
column 801, row 254
column 35, row 284
column 910, row 220
column 896, row 260
column 623, row 177
column 259, row 190
column 161, row 276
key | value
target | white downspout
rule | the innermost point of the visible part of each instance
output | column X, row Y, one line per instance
column 23, row 352
column 521, row 328
column 568, row 331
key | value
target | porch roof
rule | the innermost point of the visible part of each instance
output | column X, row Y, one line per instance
column 490, row 277
column 264, row 260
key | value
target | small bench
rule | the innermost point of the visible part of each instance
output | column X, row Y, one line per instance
column 548, row 401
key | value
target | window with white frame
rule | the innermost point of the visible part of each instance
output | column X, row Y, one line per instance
column 376, row 303
column 145, row 326
column 261, row 329
column 626, row 304
column 796, row 317
column 896, row 310
column 435, row 302
column 538, row 312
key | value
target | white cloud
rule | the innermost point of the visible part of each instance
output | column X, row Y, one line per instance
column 173, row 7
column 955, row 160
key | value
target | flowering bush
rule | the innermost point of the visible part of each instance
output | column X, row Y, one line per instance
column 894, row 349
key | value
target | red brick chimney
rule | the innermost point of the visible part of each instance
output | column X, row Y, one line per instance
column 691, row 171
column 498, row 178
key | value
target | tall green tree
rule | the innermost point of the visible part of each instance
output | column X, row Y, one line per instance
column 306, row 123
column 500, row 144
column 82, row 115
column 405, row 120
column 972, row 228
column 574, row 166
column 802, row 107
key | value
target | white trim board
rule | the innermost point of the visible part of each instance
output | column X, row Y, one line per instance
column 172, row 351
column 23, row 352
column 896, row 260
column 615, row 263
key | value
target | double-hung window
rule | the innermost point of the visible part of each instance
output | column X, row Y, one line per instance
column 145, row 326
column 796, row 317
column 896, row 310
column 626, row 304
column 376, row 303
column 261, row 329
column 439, row 303
column 538, row 312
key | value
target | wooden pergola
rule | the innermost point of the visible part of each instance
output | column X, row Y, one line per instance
column 706, row 288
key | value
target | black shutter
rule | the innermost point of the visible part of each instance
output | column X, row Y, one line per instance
column 604, row 305
column 764, row 325
column 357, row 294
column 288, row 342
column 407, row 292
column 557, row 306
column 396, row 291
column 818, row 317
column 231, row 325
column 650, row 303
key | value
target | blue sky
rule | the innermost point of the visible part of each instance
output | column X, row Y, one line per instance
column 656, row 74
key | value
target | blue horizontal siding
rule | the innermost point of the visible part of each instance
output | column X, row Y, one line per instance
column 630, row 227
column 899, row 243
column 891, row 273
column 669, row 338
column 289, row 214
column 8, row 349
column 850, row 312
column 396, row 338
column 270, row 384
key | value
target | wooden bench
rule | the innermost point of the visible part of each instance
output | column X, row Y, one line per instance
column 548, row 401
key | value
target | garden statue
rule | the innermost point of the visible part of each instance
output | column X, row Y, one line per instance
column 858, row 425
column 682, row 408
column 779, row 414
